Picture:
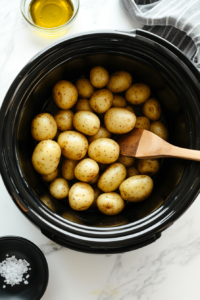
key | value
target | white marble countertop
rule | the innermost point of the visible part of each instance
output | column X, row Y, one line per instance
column 167, row 269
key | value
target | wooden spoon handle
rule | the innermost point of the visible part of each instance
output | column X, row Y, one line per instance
column 184, row 153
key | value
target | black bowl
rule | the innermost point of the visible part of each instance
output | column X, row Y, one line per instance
column 39, row 273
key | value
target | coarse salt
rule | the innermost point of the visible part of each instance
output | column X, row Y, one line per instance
column 13, row 270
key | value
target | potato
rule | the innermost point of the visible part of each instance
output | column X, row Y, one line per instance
column 111, row 179
column 68, row 167
column 46, row 157
column 136, row 188
column 65, row 94
column 83, row 105
column 97, row 193
column 132, row 171
column 94, row 180
column 72, row 216
column 138, row 93
column 129, row 108
column 59, row 188
column 151, row 109
column 142, row 122
column 110, row 203
column 101, row 101
column 99, row 77
column 84, row 88
column 43, row 127
column 64, row 119
column 86, row 170
column 159, row 129
column 86, row 122
column 73, row 144
column 50, row 177
column 104, row 151
column 127, row 161
column 81, row 196
column 119, row 82
column 148, row 166
column 119, row 120
column 119, row 101
column 102, row 133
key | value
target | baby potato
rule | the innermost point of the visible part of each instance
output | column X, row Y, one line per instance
column 46, row 157
column 73, row 144
column 119, row 101
column 99, row 77
column 102, row 133
column 59, row 188
column 94, row 180
column 101, row 101
column 104, row 151
column 50, row 177
column 86, row 170
column 81, row 196
column 86, row 122
column 151, row 109
column 65, row 94
column 136, row 188
column 110, row 203
column 119, row 120
column 43, row 127
column 83, row 105
column 119, row 82
column 138, row 93
column 132, row 171
column 111, row 179
column 142, row 122
column 64, row 119
column 97, row 193
column 159, row 129
column 129, row 108
column 84, row 88
column 148, row 166
column 127, row 161
column 68, row 167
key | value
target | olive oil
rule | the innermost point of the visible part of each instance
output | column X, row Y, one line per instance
column 51, row 13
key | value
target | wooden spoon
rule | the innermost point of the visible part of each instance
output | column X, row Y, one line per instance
column 141, row 143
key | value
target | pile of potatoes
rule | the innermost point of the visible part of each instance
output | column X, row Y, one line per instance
column 77, row 152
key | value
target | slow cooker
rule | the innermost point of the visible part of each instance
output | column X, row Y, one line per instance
column 174, row 81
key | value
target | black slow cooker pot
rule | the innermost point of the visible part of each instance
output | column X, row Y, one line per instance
column 173, row 79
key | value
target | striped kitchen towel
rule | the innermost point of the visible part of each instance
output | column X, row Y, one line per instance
column 177, row 21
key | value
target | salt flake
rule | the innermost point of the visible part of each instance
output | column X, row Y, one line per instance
column 13, row 270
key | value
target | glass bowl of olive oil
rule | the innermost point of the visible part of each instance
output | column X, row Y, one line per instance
column 50, row 17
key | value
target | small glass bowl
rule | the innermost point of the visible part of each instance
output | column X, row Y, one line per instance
column 49, row 32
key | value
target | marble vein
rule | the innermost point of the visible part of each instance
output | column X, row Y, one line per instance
column 144, row 276
column 50, row 247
